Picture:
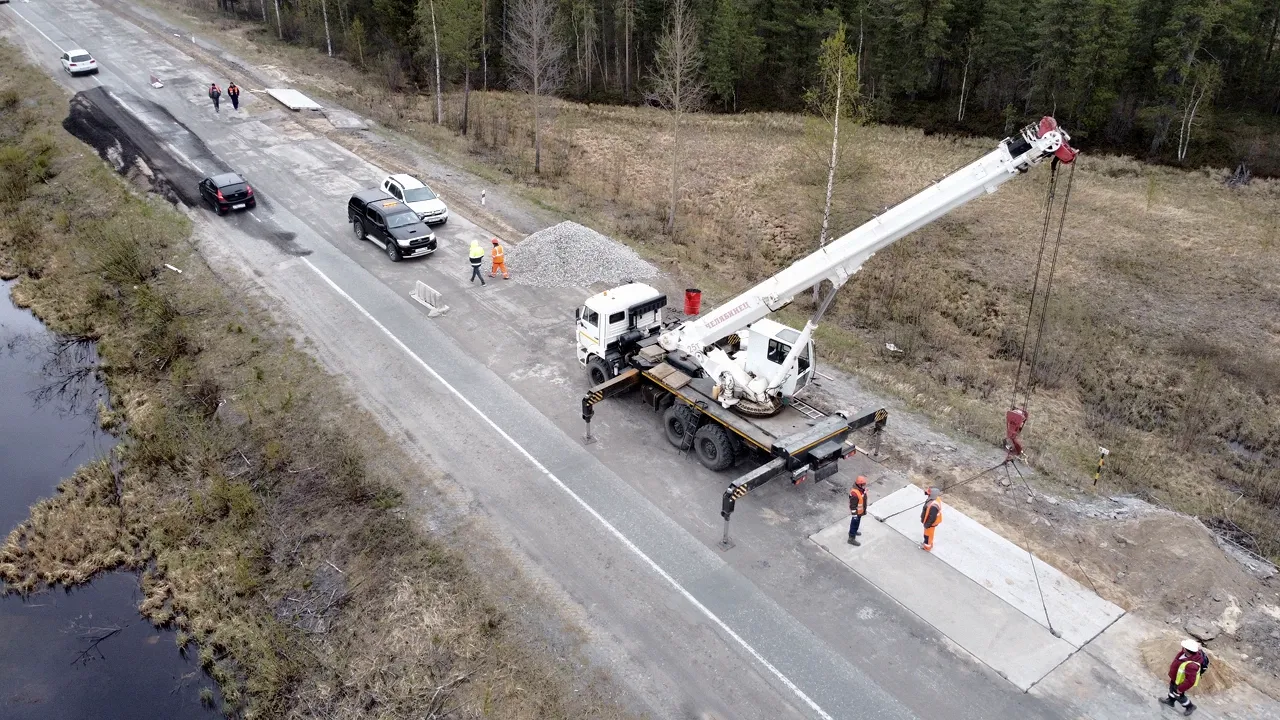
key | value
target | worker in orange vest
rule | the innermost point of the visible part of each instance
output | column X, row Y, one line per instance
column 857, row 508
column 1185, row 671
column 499, row 261
column 931, row 518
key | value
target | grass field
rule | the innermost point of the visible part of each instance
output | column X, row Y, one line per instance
column 1163, row 337
column 262, row 508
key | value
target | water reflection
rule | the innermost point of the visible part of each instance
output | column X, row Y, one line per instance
column 48, row 420
column 86, row 653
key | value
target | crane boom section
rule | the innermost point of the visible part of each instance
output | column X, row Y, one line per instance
column 840, row 259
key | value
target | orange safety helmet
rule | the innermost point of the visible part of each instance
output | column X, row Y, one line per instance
column 495, row 241
column 861, row 481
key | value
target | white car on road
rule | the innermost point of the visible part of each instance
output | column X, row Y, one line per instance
column 79, row 61
column 420, row 199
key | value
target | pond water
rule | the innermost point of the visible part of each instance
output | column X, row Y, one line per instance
column 48, row 420
column 83, row 652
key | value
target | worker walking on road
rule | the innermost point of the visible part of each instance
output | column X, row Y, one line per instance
column 1185, row 671
column 931, row 518
column 499, row 261
column 215, row 95
column 477, row 257
column 857, row 508
column 233, row 92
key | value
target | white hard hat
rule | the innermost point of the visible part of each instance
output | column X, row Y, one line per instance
column 1191, row 646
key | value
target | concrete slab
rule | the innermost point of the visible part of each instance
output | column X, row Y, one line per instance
column 984, row 625
column 344, row 119
column 1094, row 691
column 1004, row 569
column 292, row 99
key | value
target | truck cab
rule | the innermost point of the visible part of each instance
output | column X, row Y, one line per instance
column 610, row 324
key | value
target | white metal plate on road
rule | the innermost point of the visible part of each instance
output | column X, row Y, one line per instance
column 1003, row 568
column 984, row 625
column 293, row 99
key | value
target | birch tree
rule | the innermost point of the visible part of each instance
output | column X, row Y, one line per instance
column 1205, row 78
column 435, row 40
column 356, row 38
column 462, row 43
column 964, row 78
column 582, row 21
column 677, row 85
column 328, row 41
column 536, row 56
column 626, row 14
column 832, row 98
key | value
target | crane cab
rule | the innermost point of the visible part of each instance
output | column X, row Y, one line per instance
column 610, row 324
column 767, row 345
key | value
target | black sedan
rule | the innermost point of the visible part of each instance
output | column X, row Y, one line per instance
column 227, row 191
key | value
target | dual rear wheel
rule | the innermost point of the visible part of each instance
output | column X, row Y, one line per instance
column 711, row 443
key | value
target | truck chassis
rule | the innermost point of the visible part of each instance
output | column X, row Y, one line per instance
column 799, row 441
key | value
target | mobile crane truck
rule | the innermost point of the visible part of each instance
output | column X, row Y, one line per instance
column 726, row 381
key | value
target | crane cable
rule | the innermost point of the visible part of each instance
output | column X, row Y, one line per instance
column 1035, row 285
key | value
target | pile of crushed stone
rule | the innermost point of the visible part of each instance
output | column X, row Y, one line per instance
column 571, row 255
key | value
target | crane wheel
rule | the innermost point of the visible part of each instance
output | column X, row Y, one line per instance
column 673, row 425
column 714, row 448
column 598, row 371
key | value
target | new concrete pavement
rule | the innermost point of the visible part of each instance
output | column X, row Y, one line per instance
column 622, row 533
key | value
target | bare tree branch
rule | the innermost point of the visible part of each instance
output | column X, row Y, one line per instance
column 676, row 84
column 536, row 53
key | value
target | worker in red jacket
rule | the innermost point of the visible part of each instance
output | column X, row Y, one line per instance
column 931, row 518
column 857, row 508
column 1185, row 671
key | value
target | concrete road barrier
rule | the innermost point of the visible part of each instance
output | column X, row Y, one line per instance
column 430, row 298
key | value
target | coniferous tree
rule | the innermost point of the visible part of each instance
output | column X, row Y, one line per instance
column 732, row 51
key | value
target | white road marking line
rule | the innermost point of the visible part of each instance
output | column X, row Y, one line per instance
column 46, row 37
column 559, row 483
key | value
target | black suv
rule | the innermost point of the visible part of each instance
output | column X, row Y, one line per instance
column 390, row 224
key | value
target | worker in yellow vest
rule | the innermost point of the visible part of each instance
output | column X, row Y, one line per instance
column 476, row 256
column 931, row 518
column 499, row 261
column 1185, row 671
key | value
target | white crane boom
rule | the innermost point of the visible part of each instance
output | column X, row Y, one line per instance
column 840, row 259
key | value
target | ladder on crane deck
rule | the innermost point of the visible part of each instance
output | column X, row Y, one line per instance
column 806, row 409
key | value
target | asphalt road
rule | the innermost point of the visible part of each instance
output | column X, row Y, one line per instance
column 621, row 533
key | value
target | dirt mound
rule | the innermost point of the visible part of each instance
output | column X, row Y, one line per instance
column 1158, row 652
column 1134, row 554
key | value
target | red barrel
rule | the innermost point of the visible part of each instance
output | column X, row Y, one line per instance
column 692, row 301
